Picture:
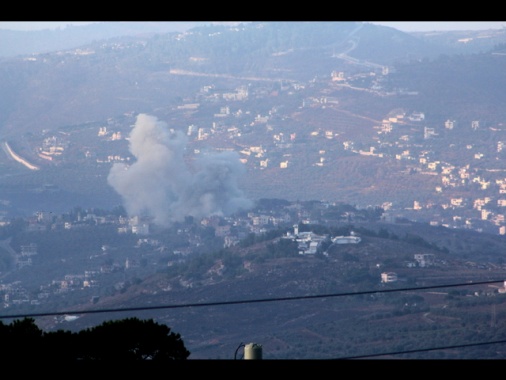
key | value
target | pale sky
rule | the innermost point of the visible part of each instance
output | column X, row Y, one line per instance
column 406, row 26
column 428, row 26
column 38, row 25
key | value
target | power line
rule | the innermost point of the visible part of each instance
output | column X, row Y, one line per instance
column 261, row 300
column 422, row 350
column 223, row 303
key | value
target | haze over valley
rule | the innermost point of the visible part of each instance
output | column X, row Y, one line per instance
column 257, row 160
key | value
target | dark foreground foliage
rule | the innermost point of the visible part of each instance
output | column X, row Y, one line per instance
column 128, row 340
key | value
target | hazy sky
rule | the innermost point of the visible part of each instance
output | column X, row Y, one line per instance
column 407, row 26
column 427, row 26
column 37, row 25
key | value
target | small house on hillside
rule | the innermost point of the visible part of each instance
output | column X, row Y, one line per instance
column 388, row 277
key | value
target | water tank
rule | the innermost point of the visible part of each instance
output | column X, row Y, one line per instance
column 252, row 351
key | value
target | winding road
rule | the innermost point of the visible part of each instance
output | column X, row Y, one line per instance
column 9, row 151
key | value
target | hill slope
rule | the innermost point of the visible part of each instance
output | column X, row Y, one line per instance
column 304, row 307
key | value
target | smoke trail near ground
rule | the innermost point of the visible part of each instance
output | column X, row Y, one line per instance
column 161, row 185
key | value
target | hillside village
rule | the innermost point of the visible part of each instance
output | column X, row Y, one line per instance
column 228, row 232
column 269, row 123
column 132, row 247
column 362, row 176
column 460, row 159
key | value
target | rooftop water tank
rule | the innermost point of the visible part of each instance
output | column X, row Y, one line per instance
column 252, row 351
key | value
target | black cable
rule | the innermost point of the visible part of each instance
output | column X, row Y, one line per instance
column 287, row 299
column 421, row 350
column 223, row 303
column 238, row 348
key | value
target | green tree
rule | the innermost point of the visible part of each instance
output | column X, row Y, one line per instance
column 20, row 338
column 124, row 340
column 131, row 339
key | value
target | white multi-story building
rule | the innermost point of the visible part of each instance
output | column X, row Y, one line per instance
column 388, row 277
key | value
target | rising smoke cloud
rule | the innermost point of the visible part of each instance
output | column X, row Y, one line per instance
column 161, row 185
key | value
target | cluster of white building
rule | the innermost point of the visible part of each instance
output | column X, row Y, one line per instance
column 309, row 242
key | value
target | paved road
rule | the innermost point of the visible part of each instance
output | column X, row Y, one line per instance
column 18, row 158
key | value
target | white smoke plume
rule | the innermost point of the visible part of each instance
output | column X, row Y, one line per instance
column 161, row 185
